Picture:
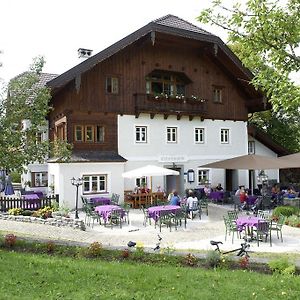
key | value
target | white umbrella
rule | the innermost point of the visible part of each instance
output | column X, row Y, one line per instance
column 149, row 170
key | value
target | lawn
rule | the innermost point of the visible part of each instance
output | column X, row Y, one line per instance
column 42, row 276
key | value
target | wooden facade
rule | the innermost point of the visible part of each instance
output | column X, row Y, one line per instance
column 83, row 100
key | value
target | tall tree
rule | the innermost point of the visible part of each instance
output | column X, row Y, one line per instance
column 23, row 110
column 268, row 34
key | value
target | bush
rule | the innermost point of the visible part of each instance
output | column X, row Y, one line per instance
column 27, row 213
column 190, row 260
column 44, row 213
column 282, row 266
column 94, row 250
column 10, row 240
column 213, row 258
column 293, row 221
column 285, row 210
column 15, row 211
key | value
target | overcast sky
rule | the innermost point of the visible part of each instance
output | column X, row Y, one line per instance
column 56, row 29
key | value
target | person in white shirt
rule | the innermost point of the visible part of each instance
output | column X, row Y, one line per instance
column 190, row 201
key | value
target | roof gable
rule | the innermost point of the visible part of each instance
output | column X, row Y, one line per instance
column 168, row 24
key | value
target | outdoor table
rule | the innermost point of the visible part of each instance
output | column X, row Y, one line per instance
column 105, row 210
column 154, row 211
column 216, row 196
column 251, row 199
column 100, row 200
column 247, row 222
column 32, row 201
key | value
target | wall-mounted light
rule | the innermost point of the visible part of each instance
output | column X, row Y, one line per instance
column 262, row 176
column 190, row 175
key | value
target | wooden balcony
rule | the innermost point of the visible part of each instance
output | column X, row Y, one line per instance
column 147, row 103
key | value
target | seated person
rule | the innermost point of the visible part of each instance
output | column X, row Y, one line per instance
column 243, row 195
column 190, row 200
column 291, row 193
column 207, row 190
column 175, row 199
column 219, row 187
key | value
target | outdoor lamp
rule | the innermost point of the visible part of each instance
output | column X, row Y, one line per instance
column 190, row 175
column 262, row 176
column 76, row 182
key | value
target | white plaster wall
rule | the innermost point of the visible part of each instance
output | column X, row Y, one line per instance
column 261, row 149
column 186, row 152
column 62, row 174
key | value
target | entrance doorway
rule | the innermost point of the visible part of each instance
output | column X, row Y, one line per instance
column 228, row 180
column 174, row 182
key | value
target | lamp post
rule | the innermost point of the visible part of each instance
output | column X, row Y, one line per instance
column 76, row 182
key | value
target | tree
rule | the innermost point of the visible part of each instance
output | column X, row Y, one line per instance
column 23, row 110
column 268, row 35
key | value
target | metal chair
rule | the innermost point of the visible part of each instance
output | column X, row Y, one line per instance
column 115, row 218
column 196, row 208
column 277, row 226
column 230, row 227
column 203, row 203
column 263, row 231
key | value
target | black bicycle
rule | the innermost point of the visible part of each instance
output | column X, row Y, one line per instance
column 242, row 251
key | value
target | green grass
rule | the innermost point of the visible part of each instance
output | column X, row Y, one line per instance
column 37, row 276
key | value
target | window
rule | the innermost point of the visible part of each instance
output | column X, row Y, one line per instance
column 112, row 85
column 224, row 136
column 142, row 181
column 39, row 179
column 199, row 135
column 171, row 134
column 166, row 83
column 89, row 133
column 99, row 134
column 251, row 147
column 203, row 176
column 141, row 134
column 39, row 137
column 79, row 131
column 217, row 95
column 61, row 132
column 94, row 184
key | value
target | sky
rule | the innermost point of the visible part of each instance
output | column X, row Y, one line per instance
column 56, row 29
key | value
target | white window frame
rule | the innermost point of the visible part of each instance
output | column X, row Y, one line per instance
column 39, row 179
column 197, row 135
column 141, row 140
column 172, row 137
column 202, row 174
column 88, row 180
column 224, row 135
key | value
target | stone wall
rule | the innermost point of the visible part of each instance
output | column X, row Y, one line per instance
column 58, row 221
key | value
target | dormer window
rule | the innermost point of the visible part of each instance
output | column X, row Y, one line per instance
column 167, row 83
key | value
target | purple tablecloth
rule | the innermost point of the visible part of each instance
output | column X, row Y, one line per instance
column 248, row 221
column 251, row 199
column 216, row 196
column 105, row 210
column 154, row 211
column 31, row 197
column 100, row 200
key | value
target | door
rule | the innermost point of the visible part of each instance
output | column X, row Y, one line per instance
column 173, row 182
column 228, row 180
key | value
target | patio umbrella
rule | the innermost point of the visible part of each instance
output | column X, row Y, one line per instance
column 149, row 170
column 292, row 160
column 8, row 190
column 248, row 162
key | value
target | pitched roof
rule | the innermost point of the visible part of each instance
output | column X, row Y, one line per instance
column 168, row 24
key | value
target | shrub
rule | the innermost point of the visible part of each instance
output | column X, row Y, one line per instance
column 293, row 221
column 27, row 213
column 285, row 210
column 125, row 253
column 44, row 213
column 190, row 260
column 213, row 258
column 10, row 240
column 282, row 266
column 244, row 262
column 50, row 246
column 15, row 211
column 94, row 250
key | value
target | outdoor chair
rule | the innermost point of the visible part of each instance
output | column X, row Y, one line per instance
column 115, row 218
column 230, row 228
column 178, row 217
column 146, row 216
column 165, row 218
column 277, row 226
column 115, row 199
column 263, row 214
column 233, row 215
column 237, row 203
column 194, row 210
column 90, row 214
column 267, row 202
column 263, row 231
column 204, row 204
column 126, row 208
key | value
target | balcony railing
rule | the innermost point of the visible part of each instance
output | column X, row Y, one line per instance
column 163, row 104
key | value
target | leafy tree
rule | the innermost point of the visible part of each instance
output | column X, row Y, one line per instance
column 268, row 35
column 23, row 110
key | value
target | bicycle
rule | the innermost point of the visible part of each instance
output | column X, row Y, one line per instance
column 243, row 250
